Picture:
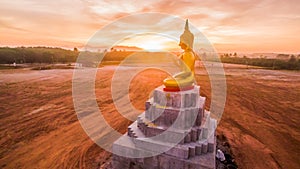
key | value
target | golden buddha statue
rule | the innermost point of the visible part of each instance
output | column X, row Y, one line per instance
column 185, row 79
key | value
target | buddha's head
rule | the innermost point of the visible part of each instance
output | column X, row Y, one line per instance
column 187, row 38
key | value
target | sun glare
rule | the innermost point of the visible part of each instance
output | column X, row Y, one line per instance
column 152, row 46
column 151, row 43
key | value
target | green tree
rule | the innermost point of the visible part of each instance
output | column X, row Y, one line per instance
column 292, row 59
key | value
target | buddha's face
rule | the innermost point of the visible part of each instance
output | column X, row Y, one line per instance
column 182, row 45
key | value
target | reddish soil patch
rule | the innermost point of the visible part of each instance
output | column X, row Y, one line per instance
column 39, row 127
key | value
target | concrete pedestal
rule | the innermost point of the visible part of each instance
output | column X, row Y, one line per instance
column 174, row 132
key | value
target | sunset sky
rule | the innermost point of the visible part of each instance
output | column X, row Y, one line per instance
column 242, row 26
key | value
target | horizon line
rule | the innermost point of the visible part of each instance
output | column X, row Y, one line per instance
column 80, row 48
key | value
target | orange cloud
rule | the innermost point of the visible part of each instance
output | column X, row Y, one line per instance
column 268, row 25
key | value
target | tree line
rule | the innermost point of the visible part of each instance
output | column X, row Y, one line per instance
column 292, row 63
column 37, row 55
column 58, row 55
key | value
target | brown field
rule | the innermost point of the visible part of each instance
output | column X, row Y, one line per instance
column 39, row 127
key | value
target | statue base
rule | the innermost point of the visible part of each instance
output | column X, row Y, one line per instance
column 189, row 134
column 177, row 89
